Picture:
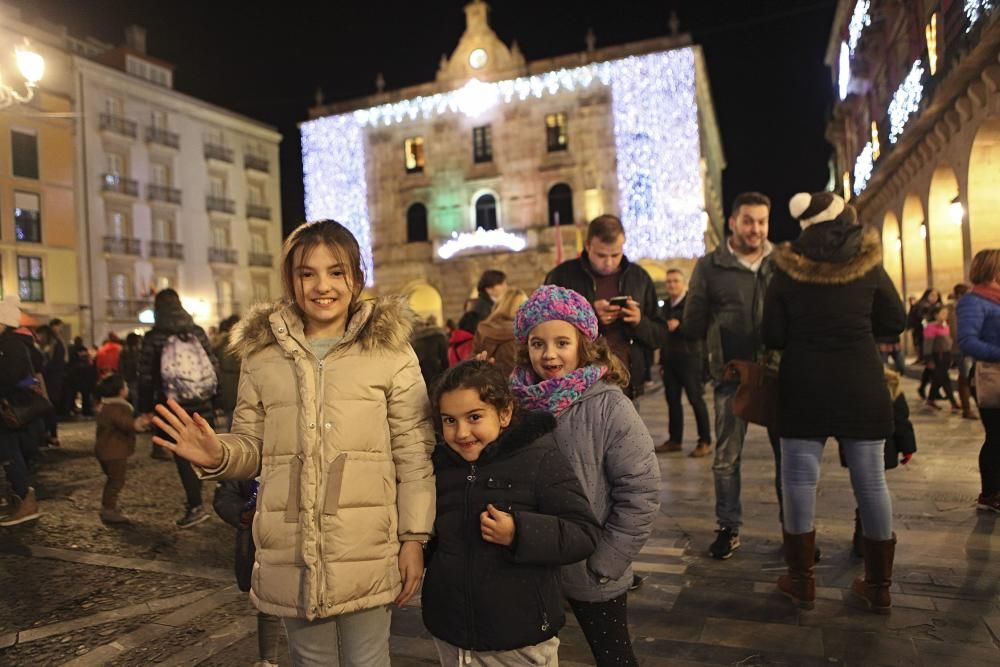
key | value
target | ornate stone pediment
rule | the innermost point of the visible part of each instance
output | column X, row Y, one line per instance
column 480, row 53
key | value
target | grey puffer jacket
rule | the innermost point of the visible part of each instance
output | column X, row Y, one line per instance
column 611, row 452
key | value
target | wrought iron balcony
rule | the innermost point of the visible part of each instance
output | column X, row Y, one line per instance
column 260, row 259
column 158, row 135
column 222, row 255
column 256, row 162
column 258, row 211
column 127, row 309
column 164, row 193
column 168, row 249
column 218, row 152
column 122, row 245
column 220, row 204
column 120, row 185
column 118, row 125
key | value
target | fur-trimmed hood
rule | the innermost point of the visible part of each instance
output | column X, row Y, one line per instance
column 830, row 254
column 380, row 324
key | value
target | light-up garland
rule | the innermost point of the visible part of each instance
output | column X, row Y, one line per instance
column 481, row 238
column 905, row 101
column 656, row 135
column 860, row 20
column 844, row 71
column 863, row 168
column 975, row 10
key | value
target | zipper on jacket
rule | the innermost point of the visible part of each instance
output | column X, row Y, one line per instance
column 321, row 571
column 545, row 614
column 467, row 512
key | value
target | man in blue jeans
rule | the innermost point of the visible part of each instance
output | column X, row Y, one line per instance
column 725, row 303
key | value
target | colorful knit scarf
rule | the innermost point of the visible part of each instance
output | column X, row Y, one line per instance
column 556, row 395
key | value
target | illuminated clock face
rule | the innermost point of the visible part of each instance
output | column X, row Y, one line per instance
column 478, row 58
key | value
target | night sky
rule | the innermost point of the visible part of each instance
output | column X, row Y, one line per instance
column 772, row 91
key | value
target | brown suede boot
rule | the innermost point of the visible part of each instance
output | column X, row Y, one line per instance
column 25, row 509
column 800, row 555
column 872, row 592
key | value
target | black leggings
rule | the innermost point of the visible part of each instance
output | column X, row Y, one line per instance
column 605, row 625
column 989, row 455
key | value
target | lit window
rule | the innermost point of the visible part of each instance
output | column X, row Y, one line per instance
column 930, row 33
column 555, row 132
column 27, row 217
column 413, row 150
column 482, row 144
column 30, row 281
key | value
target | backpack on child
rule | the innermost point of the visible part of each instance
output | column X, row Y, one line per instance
column 186, row 372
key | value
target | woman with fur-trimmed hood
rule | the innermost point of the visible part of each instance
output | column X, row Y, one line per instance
column 828, row 301
column 332, row 414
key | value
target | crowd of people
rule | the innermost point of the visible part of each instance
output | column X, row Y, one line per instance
column 503, row 461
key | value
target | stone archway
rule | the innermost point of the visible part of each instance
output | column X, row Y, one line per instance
column 425, row 302
column 913, row 233
column 984, row 187
column 944, row 229
column 892, row 246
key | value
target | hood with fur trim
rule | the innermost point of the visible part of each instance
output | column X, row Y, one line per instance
column 830, row 254
column 380, row 324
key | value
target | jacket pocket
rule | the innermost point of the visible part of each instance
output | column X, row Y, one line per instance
column 294, row 490
column 334, row 482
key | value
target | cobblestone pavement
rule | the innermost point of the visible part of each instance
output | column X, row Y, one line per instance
column 77, row 592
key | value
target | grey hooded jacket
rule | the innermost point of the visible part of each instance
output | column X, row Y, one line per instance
column 611, row 451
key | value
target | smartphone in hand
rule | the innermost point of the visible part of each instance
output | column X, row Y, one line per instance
column 620, row 301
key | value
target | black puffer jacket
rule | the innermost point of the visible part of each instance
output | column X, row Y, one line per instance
column 169, row 321
column 828, row 300
column 486, row 597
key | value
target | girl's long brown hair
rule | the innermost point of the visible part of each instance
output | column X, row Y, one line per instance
column 596, row 353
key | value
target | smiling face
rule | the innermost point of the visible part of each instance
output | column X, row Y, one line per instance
column 323, row 291
column 468, row 424
column 554, row 349
column 749, row 226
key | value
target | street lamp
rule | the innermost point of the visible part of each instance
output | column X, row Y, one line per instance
column 956, row 211
column 32, row 67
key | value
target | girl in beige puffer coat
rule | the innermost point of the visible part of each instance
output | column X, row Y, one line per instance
column 332, row 414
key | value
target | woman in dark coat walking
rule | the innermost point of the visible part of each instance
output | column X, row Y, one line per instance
column 826, row 304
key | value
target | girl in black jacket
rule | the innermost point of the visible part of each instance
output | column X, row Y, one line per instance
column 510, row 511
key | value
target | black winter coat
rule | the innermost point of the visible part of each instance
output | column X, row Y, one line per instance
column 675, row 344
column 171, row 321
column 485, row 597
column 828, row 300
column 431, row 347
column 646, row 336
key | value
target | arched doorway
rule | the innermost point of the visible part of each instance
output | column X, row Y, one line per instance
column 984, row 193
column 425, row 302
column 892, row 258
column 944, row 229
column 416, row 223
column 913, row 234
column 486, row 212
column 560, row 205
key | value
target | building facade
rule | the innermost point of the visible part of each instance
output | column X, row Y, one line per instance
column 500, row 163
column 916, row 130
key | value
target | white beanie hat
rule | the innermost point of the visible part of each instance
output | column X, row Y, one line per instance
column 811, row 209
column 10, row 311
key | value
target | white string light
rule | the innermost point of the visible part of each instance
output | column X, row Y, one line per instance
column 905, row 101
column 844, row 71
column 863, row 168
column 860, row 20
column 481, row 239
column 975, row 10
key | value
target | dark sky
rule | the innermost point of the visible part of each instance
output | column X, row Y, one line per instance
column 771, row 89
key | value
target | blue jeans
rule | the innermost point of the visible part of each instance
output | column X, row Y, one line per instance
column 800, row 464
column 355, row 639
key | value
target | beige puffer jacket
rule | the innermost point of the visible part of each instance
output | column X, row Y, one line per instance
column 342, row 446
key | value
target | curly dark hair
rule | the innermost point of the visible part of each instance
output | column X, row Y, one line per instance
column 596, row 353
column 483, row 377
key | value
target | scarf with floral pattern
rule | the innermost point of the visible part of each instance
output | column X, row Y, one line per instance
column 556, row 395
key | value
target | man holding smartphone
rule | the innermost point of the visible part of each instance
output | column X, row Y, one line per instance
column 622, row 294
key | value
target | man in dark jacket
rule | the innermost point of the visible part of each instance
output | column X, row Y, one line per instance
column 682, row 361
column 601, row 273
column 725, row 305
column 172, row 319
column 430, row 344
column 492, row 285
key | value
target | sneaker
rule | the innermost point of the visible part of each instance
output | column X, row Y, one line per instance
column 702, row 449
column 668, row 446
column 194, row 516
column 113, row 515
column 989, row 503
column 24, row 510
column 636, row 582
column 725, row 544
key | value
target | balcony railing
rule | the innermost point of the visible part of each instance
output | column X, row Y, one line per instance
column 120, row 185
column 220, row 204
column 222, row 255
column 117, row 245
column 260, row 259
column 218, row 152
column 258, row 211
column 158, row 135
column 127, row 309
column 118, row 125
column 257, row 162
column 168, row 249
column 165, row 193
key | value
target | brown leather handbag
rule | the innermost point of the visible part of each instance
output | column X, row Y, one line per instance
column 987, row 382
column 756, row 399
